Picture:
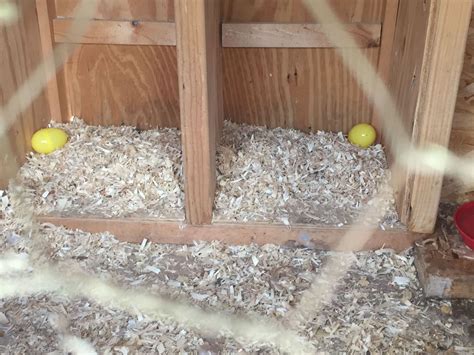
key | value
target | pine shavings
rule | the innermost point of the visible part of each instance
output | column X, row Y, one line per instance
column 368, row 312
column 268, row 175
column 109, row 172
column 290, row 177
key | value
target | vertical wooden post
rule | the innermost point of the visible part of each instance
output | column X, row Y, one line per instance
column 46, row 10
column 385, row 54
column 429, row 50
column 198, row 52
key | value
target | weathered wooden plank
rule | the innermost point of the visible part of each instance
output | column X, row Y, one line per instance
column 281, row 35
column 428, row 50
column 385, row 53
column 441, row 69
column 176, row 232
column 443, row 276
column 20, row 54
column 46, row 13
column 117, row 32
column 198, row 48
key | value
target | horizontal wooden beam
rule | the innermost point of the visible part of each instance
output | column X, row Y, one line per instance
column 177, row 232
column 250, row 35
column 289, row 35
column 117, row 32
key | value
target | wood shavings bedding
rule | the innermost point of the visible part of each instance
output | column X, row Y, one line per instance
column 270, row 175
column 378, row 307
column 109, row 172
column 284, row 175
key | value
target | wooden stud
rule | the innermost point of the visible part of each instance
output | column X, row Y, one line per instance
column 285, row 35
column 442, row 275
column 117, row 32
column 46, row 13
column 385, row 54
column 428, row 52
column 441, row 69
column 198, row 42
column 176, row 232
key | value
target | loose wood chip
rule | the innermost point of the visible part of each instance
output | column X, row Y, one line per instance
column 378, row 307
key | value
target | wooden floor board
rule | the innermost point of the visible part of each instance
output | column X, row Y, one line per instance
column 177, row 232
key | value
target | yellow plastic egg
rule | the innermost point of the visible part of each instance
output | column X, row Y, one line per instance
column 47, row 140
column 362, row 135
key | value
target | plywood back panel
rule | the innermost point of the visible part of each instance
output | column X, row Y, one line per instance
column 307, row 89
column 146, row 10
column 303, row 88
column 131, row 85
column 296, row 11
column 20, row 54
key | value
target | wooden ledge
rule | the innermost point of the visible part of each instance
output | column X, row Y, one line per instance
column 176, row 232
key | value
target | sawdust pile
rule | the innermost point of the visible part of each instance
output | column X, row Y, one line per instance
column 270, row 175
column 378, row 306
column 109, row 172
column 291, row 177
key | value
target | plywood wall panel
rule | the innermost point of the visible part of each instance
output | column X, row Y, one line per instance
column 296, row 11
column 132, row 85
column 20, row 54
column 308, row 89
column 146, row 10
column 232, row 10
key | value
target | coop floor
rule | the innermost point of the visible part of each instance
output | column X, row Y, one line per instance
column 377, row 306
column 263, row 175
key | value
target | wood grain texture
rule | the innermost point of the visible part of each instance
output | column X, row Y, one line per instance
column 131, row 85
column 175, row 232
column 462, row 137
column 303, row 88
column 385, row 54
column 442, row 57
column 462, row 133
column 232, row 10
column 20, row 54
column 198, row 52
column 145, row 10
column 307, row 89
column 281, row 35
column 117, row 32
column 46, row 13
column 442, row 276
column 370, row 11
column 404, row 83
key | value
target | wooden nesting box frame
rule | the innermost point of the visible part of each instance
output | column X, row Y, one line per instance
column 421, row 42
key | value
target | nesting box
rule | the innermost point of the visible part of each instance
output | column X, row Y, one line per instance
column 190, row 64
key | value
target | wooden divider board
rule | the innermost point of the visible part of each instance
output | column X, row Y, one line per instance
column 20, row 54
